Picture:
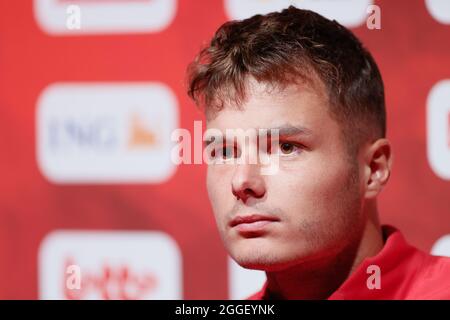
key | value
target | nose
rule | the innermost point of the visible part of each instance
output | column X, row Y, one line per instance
column 247, row 182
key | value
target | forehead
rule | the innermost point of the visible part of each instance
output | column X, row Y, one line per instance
column 267, row 106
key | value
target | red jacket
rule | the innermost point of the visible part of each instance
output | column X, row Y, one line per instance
column 405, row 273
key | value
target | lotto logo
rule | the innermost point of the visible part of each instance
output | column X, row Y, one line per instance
column 109, row 265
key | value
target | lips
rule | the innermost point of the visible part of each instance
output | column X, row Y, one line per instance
column 252, row 223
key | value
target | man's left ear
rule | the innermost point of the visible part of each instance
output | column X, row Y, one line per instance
column 378, row 163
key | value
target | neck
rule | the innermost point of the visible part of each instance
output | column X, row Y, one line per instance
column 319, row 279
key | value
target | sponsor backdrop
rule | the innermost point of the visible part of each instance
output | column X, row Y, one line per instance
column 90, row 92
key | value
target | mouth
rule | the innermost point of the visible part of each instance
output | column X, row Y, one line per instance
column 254, row 223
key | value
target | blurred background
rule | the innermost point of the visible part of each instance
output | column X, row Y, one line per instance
column 90, row 92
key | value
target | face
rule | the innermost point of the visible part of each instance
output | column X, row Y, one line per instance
column 311, row 207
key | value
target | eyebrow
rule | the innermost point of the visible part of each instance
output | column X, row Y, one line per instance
column 291, row 130
column 286, row 130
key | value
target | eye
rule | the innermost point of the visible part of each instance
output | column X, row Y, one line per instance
column 288, row 148
column 224, row 152
column 227, row 152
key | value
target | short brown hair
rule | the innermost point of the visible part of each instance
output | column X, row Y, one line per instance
column 284, row 47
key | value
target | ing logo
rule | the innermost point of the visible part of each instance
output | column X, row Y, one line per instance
column 106, row 132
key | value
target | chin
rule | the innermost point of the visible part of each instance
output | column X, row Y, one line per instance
column 259, row 255
column 267, row 265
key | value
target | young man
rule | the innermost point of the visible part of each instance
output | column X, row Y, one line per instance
column 313, row 225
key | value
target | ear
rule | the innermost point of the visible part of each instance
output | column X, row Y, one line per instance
column 377, row 166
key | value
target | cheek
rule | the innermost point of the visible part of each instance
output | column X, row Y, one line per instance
column 340, row 201
column 218, row 189
column 218, row 179
column 317, row 192
column 211, row 187
column 321, row 207
column 311, row 179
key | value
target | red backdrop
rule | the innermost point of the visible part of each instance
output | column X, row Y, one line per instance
column 412, row 50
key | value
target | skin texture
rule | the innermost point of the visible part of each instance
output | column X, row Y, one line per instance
column 323, row 198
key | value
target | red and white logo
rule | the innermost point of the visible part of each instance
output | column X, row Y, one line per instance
column 106, row 132
column 438, row 129
column 351, row 13
column 109, row 265
column 439, row 10
column 243, row 282
column 74, row 17
column 442, row 246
